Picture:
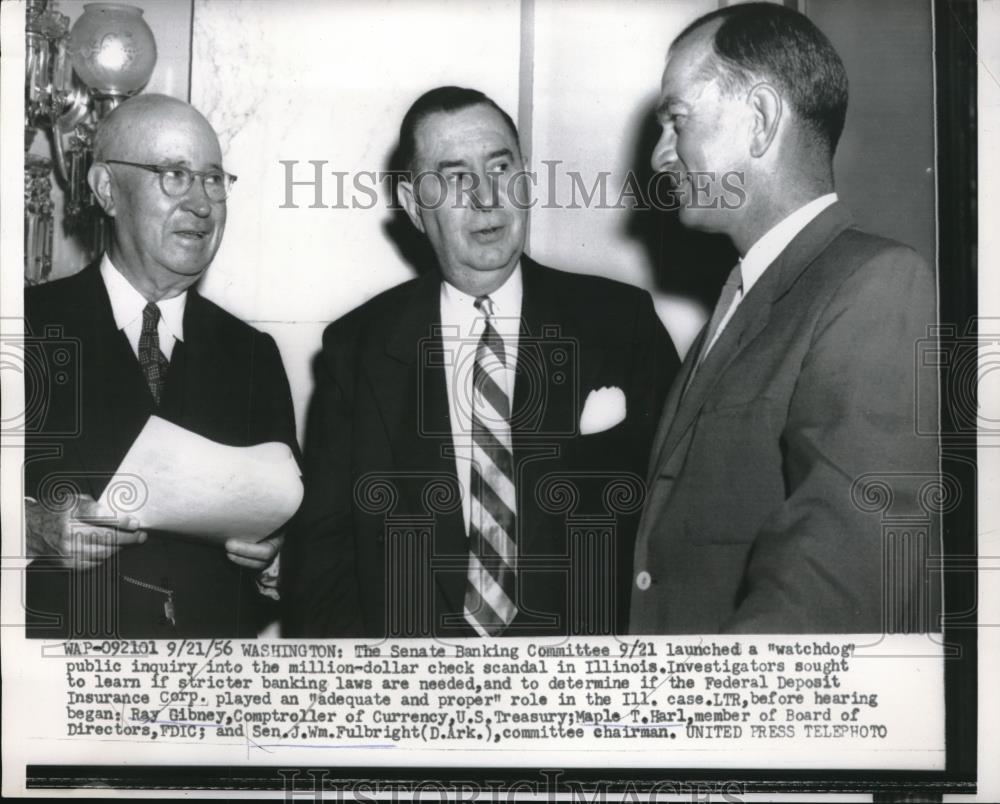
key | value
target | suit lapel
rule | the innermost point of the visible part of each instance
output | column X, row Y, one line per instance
column 535, row 410
column 546, row 406
column 117, row 402
column 206, row 377
column 410, row 389
column 749, row 320
column 672, row 403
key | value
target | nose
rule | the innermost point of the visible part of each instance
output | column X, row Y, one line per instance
column 486, row 191
column 196, row 200
column 665, row 150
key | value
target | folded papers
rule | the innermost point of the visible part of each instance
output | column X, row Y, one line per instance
column 174, row 480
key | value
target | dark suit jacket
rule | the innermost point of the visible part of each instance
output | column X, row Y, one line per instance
column 225, row 382
column 380, row 542
column 789, row 484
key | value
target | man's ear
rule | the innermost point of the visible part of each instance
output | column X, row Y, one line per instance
column 408, row 201
column 766, row 109
column 103, row 186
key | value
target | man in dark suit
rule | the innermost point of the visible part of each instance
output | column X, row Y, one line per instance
column 126, row 338
column 790, row 429
column 478, row 434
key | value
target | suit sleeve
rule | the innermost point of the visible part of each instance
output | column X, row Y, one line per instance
column 823, row 557
column 273, row 417
column 322, row 584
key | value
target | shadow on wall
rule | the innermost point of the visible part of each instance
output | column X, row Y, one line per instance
column 685, row 263
column 412, row 246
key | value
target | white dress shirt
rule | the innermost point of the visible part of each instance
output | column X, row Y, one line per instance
column 127, row 305
column 462, row 327
column 766, row 250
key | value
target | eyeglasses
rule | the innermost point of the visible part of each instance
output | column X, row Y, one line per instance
column 176, row 181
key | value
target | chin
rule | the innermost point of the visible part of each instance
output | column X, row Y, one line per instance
column 699, row 220
column 496, row 259
column 187, row 269
column 490, row 267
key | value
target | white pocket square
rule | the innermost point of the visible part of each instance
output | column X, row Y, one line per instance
column 603, row 409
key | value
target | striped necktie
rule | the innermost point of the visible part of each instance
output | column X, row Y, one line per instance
column 490, row 589
column 154, row 364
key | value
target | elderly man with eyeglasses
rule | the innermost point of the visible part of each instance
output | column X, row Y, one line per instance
column 126, row 338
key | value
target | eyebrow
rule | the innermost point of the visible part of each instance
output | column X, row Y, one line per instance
column 498, row 153
column 187, row 164
column 444, row 164
column 663, row 109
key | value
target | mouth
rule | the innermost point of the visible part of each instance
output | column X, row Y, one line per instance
column 678, row 187
column 676, row 178
column 488, row 234
column 193, row 235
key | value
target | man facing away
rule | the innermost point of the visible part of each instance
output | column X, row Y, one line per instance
column 795, row 406
column 145, row 343
column 462, row 419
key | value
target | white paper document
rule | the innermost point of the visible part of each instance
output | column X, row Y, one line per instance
column 174, row 480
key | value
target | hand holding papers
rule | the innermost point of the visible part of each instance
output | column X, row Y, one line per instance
column 175, row 480
column 81, row 535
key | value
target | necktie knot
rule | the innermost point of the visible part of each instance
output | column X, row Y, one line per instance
column 150, row 317
column 490, row 339
column 735, row 278
column 730, row 292
column 485, row 305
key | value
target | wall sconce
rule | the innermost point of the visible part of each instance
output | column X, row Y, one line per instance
column 73, row 78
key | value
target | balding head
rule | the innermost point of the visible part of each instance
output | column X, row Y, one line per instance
column 162, row 242
column 132, row 122
column 755, row 42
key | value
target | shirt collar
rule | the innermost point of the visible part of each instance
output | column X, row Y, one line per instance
column 127, row 303
column 766, row 250
column 506, row 302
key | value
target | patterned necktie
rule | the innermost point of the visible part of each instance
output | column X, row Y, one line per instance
column 154, row 364
column 489, row 594
column 732, row 288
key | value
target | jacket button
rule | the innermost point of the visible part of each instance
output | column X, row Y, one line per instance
column 643, row 581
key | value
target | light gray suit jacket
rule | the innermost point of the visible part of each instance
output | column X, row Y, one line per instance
column 791, row 487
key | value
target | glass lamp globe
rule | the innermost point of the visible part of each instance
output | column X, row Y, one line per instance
column 112, row 49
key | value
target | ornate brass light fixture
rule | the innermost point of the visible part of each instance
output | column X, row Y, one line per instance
column 73, row 78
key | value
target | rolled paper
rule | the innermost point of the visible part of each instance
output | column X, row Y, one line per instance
column 177, row 481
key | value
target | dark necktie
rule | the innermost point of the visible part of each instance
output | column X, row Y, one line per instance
column 154, row 364
column 490, row 589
